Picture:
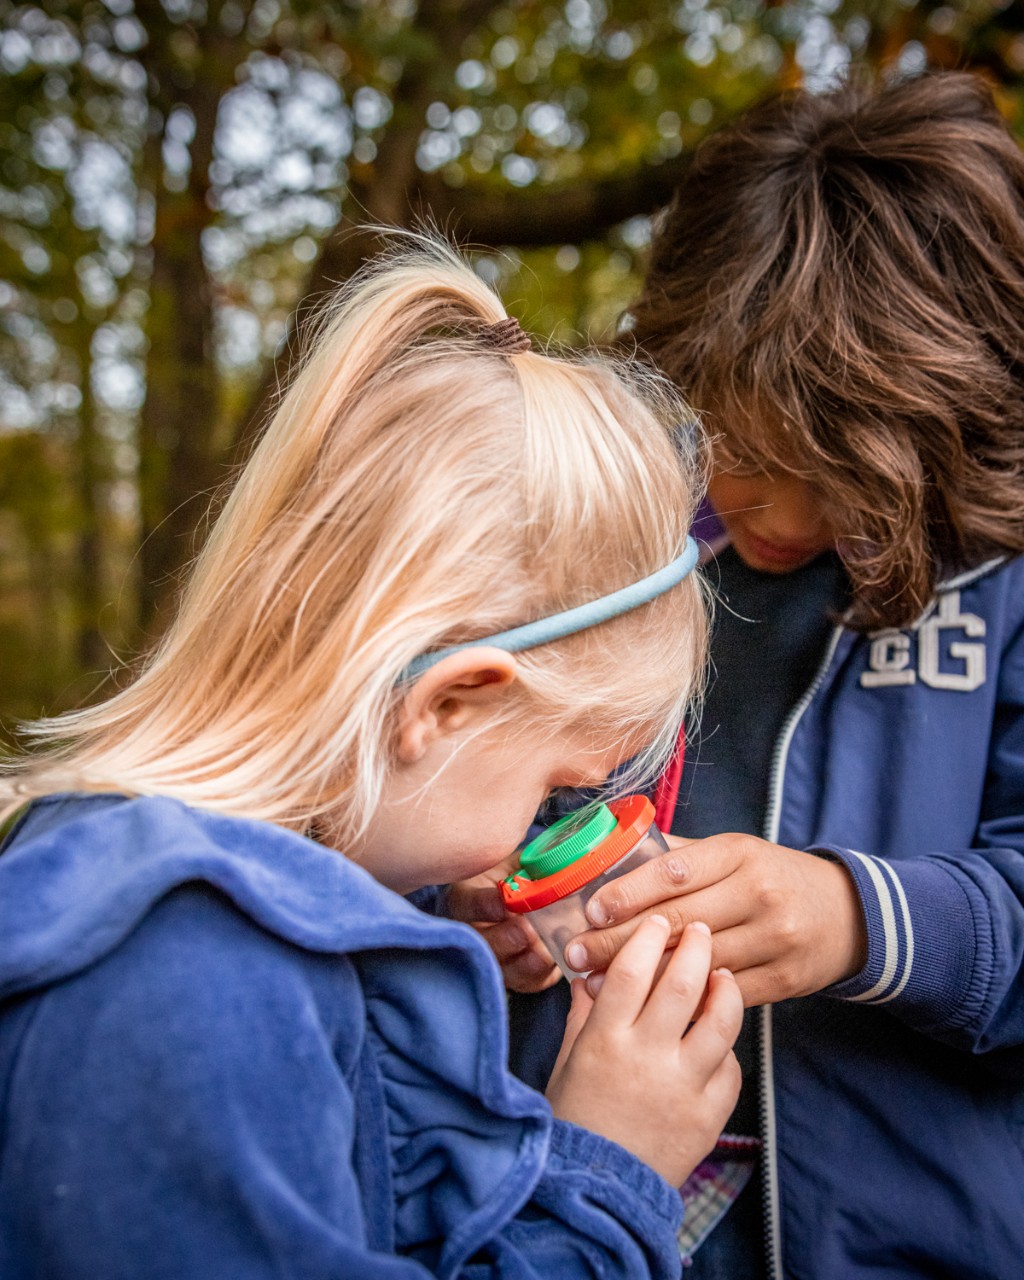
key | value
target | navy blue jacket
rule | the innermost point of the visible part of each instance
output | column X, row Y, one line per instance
column 893, row 1104
column 227, row 1053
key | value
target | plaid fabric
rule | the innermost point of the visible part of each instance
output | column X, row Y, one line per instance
column 712, row 1187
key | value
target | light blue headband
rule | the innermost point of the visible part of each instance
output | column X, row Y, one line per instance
column 544, row 630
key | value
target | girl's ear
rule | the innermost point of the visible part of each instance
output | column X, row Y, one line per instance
column 449, row 695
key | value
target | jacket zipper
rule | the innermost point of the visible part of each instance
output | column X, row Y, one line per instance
column 766, row 1081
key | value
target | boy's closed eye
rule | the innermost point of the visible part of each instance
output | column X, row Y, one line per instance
column 729, row 462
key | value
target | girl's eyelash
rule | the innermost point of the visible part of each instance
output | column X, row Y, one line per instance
column 563, row 800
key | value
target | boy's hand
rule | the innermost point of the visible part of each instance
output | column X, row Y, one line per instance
column 526, row 965
column 628, row 1068
column 785, row 923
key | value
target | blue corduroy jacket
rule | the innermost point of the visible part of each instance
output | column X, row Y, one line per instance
column 227, row 1053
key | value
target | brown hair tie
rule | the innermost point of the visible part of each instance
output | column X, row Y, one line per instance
column 506, row 337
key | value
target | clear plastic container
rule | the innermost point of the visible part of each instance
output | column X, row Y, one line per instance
column 565, row 866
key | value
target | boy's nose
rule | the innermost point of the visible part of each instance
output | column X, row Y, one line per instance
column 796, row 512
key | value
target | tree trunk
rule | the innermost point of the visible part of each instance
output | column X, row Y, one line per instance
column 178, row 468
column 91, row 653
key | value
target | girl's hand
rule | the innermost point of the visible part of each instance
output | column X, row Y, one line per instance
column 526, row 965
column 628, row 1068
column 785, row 923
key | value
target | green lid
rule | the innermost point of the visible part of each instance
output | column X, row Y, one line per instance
column 568, row 839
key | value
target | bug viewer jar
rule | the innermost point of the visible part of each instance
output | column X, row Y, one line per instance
column 565, row 865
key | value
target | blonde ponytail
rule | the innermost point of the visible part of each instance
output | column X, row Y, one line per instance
column 413, row 489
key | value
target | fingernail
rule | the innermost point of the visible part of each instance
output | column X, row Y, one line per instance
column 596, row 913
column 725, row 973
column 595, row 982
column 701, row 927
column 658, row 919
column 576, row 956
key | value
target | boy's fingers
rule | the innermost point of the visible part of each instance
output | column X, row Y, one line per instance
column 744, row 946
column 683, row 870
column 716, row 905
column 673, row 1003
column 763, row 984
column 761, row 965
column 628, row 980
column 678, row 842
column 711, row 1038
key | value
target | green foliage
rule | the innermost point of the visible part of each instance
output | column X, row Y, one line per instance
column 181, row 181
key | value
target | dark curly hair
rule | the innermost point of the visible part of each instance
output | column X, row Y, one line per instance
column 839, row 285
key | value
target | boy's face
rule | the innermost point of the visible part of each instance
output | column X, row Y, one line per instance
column 776, row 522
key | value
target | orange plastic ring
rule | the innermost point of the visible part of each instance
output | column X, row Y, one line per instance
column 634, row 816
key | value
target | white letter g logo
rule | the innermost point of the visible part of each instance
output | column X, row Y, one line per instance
column 949, row 618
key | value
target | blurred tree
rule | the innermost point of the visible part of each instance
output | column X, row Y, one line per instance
column 64, row 145
column 182, row 181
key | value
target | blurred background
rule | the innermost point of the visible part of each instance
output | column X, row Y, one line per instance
column 182, row 181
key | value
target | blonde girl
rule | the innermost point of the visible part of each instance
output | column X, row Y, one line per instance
column 453, row 577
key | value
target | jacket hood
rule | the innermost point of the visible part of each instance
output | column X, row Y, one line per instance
column 78, row 873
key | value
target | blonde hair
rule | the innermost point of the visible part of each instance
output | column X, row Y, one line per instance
column 413, row 489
